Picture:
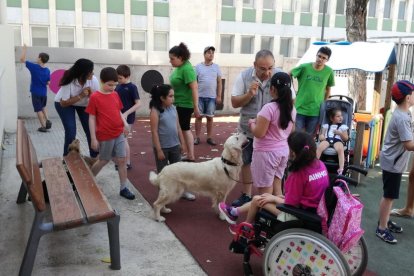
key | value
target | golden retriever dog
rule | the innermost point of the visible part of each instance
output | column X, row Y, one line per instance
column 75, row 147
column 214, row 178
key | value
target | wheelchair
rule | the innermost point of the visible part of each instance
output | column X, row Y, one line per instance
column 297, row 246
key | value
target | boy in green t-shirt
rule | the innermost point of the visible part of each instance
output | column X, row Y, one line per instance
column 315, row 80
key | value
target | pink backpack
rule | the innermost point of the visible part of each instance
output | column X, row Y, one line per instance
column 344, row 227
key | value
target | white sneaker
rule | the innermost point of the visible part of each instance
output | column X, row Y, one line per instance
column 188, row 196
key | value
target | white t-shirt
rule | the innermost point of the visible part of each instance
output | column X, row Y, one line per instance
column 74, row 88
column 334, row 127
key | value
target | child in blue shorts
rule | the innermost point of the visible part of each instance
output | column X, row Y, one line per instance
column 40, row 78
column 394, row 156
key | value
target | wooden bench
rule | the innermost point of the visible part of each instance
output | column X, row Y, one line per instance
column 74, row 198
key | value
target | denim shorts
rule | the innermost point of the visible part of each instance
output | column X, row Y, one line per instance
column 306, row 123
column 207, row 106
column 247, row 152
column 112, row 148
column 39, row 102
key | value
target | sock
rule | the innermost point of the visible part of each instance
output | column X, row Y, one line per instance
column 123, row 186
column 234, row 212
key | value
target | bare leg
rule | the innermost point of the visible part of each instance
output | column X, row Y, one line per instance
column 254, row 207
column 384, row 212
column 42, row 119
column 127, row 151
column 209, row 126
column 246, row 178
column 45, row 113
column 122, row 170
column 97, row 167
column 277, row 186
column 409, row 204
column 189, row 141
column 263, row 190
column 198, row 124
column 321, row 148
column 339, row 147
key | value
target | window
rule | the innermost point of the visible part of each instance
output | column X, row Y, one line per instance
column 17, row 36
column 247, row 44
column 40, row 36
column 268, row 4
column 372, row 8
column 303, row 46
column 226, row 43
column 266, row 43
column 285, row 44
column 66, row 37
column 91, row 39
column 387, row 8
column 287, row 5
column 115, row 40
column 401, row 9
column 322, row 4
column 305, row 6
column 160, row 41
column 340, row 7
column 227, row 3
column 248, row 3
column 138, row 41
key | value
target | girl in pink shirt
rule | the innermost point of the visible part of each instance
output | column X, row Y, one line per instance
column 304, row 186
column 271, row 129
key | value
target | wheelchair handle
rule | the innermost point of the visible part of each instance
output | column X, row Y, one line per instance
column 357, row 169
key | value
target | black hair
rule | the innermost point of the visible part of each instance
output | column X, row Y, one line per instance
column 108, row 74
column 123, row 70
column 80, row 70
column 304, row 147
column 332, row 112
column 158, row 92
column 325, row 50
column 282, row 82
column 44, row 57
column 181, row 51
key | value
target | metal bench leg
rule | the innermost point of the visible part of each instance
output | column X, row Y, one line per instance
column 37, row 231
column 113, row 233
column 22, row 194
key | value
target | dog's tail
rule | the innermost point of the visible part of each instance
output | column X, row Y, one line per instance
column 153, row 178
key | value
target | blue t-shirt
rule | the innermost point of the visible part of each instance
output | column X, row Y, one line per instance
column 40, row 78
column 128, row 92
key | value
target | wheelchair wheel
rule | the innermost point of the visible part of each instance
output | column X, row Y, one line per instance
column 357, row 258
column 303, row 252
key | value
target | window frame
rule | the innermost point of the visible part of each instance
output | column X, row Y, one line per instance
column 231, row 38
column 66, row 28
column 42, row 27
column 166, row 41
column 122, row 41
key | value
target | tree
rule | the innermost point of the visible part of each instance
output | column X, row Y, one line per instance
column 356, row 30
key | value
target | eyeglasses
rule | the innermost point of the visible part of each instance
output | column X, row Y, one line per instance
column 322, row 57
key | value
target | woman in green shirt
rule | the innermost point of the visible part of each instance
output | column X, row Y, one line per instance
column 184, row 82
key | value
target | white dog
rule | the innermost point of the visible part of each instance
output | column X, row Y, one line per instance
column 214, row 178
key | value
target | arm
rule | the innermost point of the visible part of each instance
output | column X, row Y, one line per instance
column 92, row 130
column 75, row 99
column 181, row 137
column 126, row 126
column 327, row 92
column 260, row 127
column 219, row 90
column 323, row 134
column 194, row 88
column 132, row 109
column 343, row 134
column 23, row 56
column 242, row 100
column 154, row 120
column 409, row 145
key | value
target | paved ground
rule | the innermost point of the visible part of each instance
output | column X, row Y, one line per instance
column 148, row 247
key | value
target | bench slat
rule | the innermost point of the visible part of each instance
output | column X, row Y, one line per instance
column 66, row 212
column 94, row 202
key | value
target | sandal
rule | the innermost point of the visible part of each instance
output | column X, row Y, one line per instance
column 397, row 213
column 211, row 142
column 196, row 141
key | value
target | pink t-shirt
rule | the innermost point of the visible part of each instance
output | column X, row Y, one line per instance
column 304, row 188
column 275, row 138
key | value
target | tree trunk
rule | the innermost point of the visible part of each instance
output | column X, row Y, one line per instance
column 356, row 30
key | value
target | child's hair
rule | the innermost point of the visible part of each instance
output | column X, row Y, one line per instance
column 44, row 57
column 108, row 74
column 304, row 147
column 282, row 82
column 181, row 51
column 332, row 112
column 157, row 92
column 123, row 70
column 325, row 50
column 80, row 71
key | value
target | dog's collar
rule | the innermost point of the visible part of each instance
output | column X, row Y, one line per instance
column 227, row 162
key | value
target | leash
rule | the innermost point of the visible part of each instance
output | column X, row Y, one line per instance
column 228, row 162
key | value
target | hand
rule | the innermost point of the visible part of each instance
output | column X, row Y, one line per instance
column 95, row 145
column 160, row 155
column 183, row 149
column 265, row 199
column 218, row 100
column 86, row 92
column 126, row 131
column 253, row 88
column 197, row 113
column 251, row 122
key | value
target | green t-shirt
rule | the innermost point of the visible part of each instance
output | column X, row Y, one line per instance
column 312, row 88
column 180, row 79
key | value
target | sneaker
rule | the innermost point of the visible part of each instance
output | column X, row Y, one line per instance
column 225, row 211
column 196, row 141
column 42, row 129
column 211, row 142
column 188, row 196
column 386, row 236
column 125, row 192
column 243, row 199
column 394, row 227
column 48, row 124
column 129, row 166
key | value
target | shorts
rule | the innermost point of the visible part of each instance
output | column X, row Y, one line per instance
column 207, row 106
column 392, row 182
column 248, row 152
column 306, row 123
column 184, row 117
column 38, row 102
column 266, row 165
column 112, row 148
